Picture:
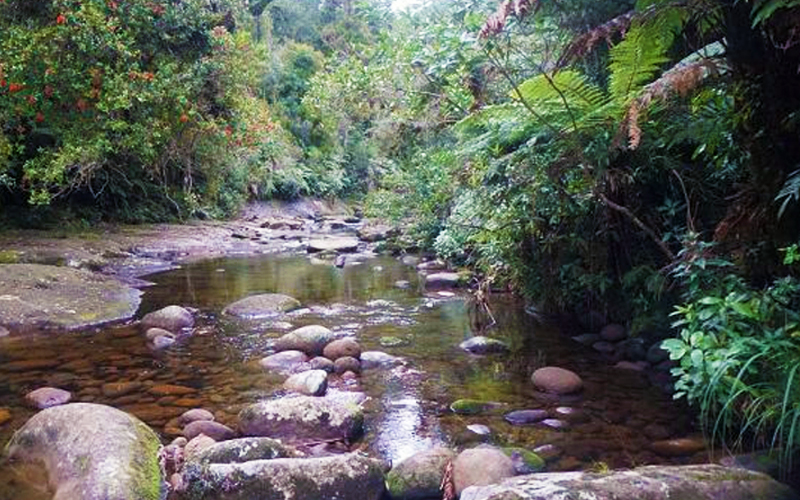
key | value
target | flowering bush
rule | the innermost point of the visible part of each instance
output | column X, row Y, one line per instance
column 129, row 101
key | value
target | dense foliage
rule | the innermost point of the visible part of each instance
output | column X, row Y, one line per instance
column 637, row 161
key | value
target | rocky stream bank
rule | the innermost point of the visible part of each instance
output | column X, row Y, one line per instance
column 134, row 433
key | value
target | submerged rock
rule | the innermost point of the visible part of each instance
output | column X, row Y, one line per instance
column 556, row 380
column 655, row 482
column 472, row 406
column 484, row 345
column 678, row 447
column 524, row 417
column 302, row 418
column 262, row 306
column 419, row 476
column 343, row 477
column 90, row 452
column 49, row 297
column 170, row 318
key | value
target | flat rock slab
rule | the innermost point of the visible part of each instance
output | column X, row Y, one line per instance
column 342, row 477
column 260, row 306
column 333, row 245
column 37, row 296
column 698, row 482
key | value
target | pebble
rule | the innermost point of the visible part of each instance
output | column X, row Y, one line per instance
column 195, row 415
column 214, row 430
column 171, row 390
column 555, row 423
column 5, row 415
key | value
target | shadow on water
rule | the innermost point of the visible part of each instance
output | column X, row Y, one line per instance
column 410, row 403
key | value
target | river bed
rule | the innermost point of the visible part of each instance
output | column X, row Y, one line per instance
column 611, row 424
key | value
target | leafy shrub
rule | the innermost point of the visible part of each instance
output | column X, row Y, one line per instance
column 739, row 355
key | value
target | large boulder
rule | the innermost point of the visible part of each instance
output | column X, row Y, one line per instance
column 90, row 452
column 37, row 296
column 343, row 477
column 420, row 475
column 655, row 482
column 310, row 339
column 302, row 418
column 554, row 380
column 170, row 318
column 261, row 306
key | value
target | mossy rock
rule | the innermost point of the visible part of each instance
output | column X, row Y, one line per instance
column 420, row 475
column 473, row 406
column 90, row 452
column 343, row 477
column 37, row 296
column 525, row 461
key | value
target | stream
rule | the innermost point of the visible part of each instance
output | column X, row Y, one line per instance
column 611, row 424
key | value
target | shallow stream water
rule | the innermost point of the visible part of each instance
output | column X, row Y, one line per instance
column 409, row 407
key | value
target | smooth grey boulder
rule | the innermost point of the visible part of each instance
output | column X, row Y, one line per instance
column 302, row 418
column 655, row 482
column 45, row 397
column 310, row 383
column 420, row 475
column 481, row 466
column 342, row 477
column 244, row 450
column 484, row 345
column 170, row 318
column 89, row 452
column 265, row 305
column 310, row 339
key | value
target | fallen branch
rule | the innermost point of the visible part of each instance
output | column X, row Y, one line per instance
column 641, row 225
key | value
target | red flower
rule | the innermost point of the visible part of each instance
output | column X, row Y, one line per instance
column 15, row 87
column 39, row 117
column 184, row 118
column 31, row 100
column 61, row 19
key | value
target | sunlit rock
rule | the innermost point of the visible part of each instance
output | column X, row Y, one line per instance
column 310, row 339
column 484, row 345
column 45, row 397
column 310, row 383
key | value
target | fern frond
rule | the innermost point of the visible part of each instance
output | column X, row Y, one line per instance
column 565, row 98
column 497, row 21
column 681, row 79
column 789, row 192
column 765, row 9
column 584, row 43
